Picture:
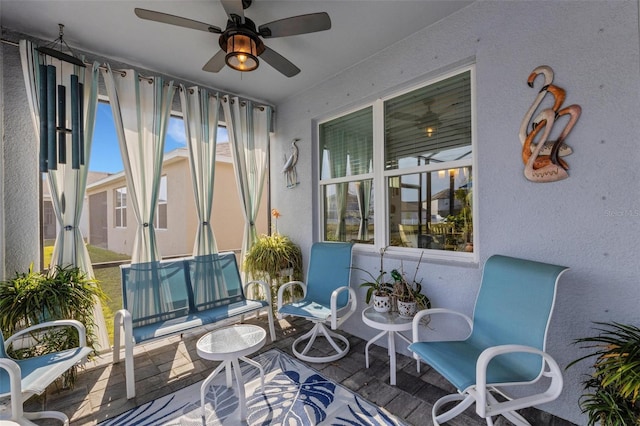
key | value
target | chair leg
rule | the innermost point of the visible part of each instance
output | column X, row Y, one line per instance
column 27, row 417
column 465, row 402
column 272, row 330
column 331, row 337
column 513, row 416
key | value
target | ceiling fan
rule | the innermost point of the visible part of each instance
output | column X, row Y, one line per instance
column 241, row 41
column 429, row 120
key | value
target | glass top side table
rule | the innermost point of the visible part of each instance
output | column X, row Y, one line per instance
column 229, row 344
column 390, row 324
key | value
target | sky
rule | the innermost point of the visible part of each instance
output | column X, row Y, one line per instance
column 105, row 153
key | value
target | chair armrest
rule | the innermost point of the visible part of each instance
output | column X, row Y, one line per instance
column 424, row 312
column 82, row 332
column 352, row 301
column 285, row 286
column 15, row 383
column 553, row 372
column 265, row 289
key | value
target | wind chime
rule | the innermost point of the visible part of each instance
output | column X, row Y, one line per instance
column 53, row 105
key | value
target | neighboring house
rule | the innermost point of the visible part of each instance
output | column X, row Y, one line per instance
column 112, row 224
column 50, row 225
column 441, row 204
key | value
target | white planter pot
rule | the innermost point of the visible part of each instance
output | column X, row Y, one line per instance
column 407, row 309
column 381, row 303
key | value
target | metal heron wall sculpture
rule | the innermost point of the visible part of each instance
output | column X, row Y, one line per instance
column 289, row 169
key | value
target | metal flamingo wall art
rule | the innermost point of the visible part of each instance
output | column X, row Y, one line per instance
column 289, row 169
column 542, row 157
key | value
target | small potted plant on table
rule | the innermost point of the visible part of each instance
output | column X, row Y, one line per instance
column 378, row 289
column 409, row 297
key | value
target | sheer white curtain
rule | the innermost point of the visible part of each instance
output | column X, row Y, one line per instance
column 361, row 160
column 338, row 158
column 248, row 126
column 67, row 185
column 141, row 109
column 200, row 112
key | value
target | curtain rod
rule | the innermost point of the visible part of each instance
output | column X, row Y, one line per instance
column 141, row 77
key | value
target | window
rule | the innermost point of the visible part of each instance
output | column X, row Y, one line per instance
column 346, row 177
column 410, row 155
column 161, row 212
column 120, row 207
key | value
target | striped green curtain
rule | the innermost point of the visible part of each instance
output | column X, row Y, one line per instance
column 248, row 126
column 141, row 108
column 67, row 185
column 200, row 112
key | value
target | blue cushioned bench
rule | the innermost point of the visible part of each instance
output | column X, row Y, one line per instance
column 172, row 296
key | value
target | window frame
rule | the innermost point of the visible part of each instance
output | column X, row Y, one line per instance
column 156, row 219
column 380, row 177
column 120, row 211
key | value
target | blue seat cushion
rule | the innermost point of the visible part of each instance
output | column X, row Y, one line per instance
column 207, row 316
column 39, row 372
column 456, row 362
column 307, row 309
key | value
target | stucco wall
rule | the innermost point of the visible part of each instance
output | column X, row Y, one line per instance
column 20, row 174
column 589, row 222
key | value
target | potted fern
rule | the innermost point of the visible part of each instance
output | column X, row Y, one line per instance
column 275, row 259
column 34, row 297
column 612, row 390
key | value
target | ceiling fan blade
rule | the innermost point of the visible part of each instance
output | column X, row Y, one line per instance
column 279, row 62
column 301, row 24
column 233, row 7
column 216, row 63
column 166, row 18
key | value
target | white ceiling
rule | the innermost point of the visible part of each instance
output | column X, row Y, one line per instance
column 109, row 28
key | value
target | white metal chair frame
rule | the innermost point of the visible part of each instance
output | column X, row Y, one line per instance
column 46, row 375
column 487, row 406
column 337, row 317
column 328, row 300
column 518, row 281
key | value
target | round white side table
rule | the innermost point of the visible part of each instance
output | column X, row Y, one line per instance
column 391, row 325
column 228, row 345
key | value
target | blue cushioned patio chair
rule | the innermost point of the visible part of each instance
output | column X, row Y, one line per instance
column 506, row 346
column 22, row 378
column 328, row 299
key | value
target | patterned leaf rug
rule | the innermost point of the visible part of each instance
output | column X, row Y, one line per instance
column 294, row 395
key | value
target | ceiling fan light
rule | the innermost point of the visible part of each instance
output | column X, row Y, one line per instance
column 242, row 53
column 430, row 131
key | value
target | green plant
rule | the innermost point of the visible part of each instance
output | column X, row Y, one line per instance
column 34, row 297
column 409, row 292
column 270, row 256
column 612, row 390
column 377, row 285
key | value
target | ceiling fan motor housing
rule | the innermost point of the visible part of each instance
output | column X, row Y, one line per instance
column 242, row 44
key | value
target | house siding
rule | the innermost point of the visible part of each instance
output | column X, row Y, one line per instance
column 179, row 236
